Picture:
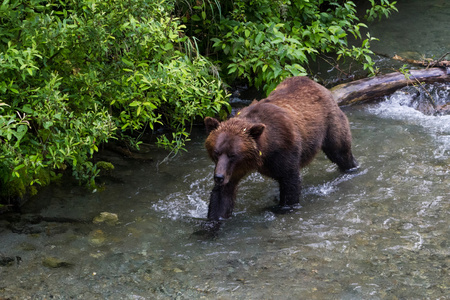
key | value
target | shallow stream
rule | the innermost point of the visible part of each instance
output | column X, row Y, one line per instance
column 381, row 233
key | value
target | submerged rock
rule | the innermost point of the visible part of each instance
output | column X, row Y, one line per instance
column 106, row 217
column 6, row 261
column 53, row 262
column 97, row 237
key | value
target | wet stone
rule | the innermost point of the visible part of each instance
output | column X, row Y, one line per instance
column 97, row 237
column 53, row 262
column 106, row 217
column 6, row 261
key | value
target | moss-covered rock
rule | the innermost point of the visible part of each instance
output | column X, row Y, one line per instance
column 105, row 167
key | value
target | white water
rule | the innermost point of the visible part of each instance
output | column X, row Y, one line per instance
column 399, row 106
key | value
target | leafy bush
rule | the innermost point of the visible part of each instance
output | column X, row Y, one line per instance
column 266, row 41
column 78, row 73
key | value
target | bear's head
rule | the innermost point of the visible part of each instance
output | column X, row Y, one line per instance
column 233, row 146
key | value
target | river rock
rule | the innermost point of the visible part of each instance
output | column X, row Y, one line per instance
column 106, row 217
column 53, row 262
column 97, row 237
column 6, row 261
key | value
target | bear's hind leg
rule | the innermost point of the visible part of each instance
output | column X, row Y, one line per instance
column 345, row 161
column 338, row 145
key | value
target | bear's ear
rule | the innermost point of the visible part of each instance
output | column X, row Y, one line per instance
column 211, row 124
column 256, row 130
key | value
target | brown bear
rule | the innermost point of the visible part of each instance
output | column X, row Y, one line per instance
column 276, row 137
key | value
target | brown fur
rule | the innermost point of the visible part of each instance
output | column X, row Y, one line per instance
column 276, row 137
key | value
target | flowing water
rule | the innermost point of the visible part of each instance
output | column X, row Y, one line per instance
column 380, row 233
column 420, row 29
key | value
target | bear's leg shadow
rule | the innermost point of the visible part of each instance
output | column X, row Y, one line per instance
column 221, row 202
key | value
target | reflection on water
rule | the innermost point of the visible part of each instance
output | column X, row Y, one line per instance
column 380, row 233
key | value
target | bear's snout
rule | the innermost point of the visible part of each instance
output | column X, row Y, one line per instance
column 219, row 178
column 223, row 168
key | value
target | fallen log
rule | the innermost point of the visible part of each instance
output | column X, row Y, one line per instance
column 379, row 86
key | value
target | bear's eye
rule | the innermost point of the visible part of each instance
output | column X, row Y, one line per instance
column 216, row 153
column 231, row 155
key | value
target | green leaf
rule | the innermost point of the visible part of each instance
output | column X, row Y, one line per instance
column 17, row 168
column 168, row 46
column 259, row 38
column 127, row 62
column 48, row 124
column 195, row 18
column 27, row 109
column 232, row 70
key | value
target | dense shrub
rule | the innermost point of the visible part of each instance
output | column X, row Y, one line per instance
column 266, row 41
column 77, row 73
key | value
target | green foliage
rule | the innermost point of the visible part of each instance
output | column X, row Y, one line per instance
column 266, row 41
column 78, row 73
column 172, row 93
column 47, row 134
column 379, row 10
column 105, row 166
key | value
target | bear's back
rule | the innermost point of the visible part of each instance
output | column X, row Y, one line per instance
column 308, row 103
column 301, row 92
column 309, row 107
